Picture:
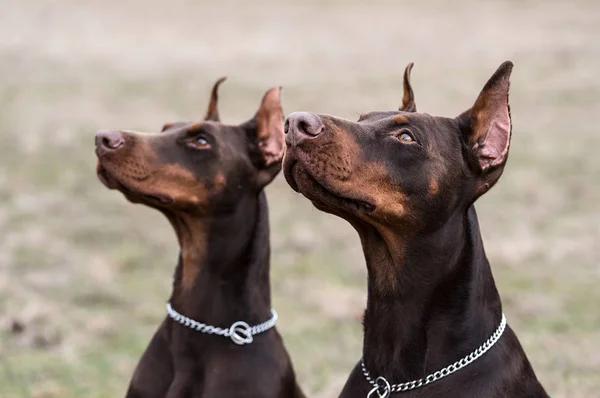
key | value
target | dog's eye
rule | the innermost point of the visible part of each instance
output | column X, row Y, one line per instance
column 406, row 137
column 200, row 142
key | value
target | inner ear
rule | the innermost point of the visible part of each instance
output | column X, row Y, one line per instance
column 269, row 127
column 408, row 98
column 213, row 106
column 487, row 129
column 266, row 136
column 491, row 127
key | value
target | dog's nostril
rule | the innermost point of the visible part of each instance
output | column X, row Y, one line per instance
column 303, row 127
column 286, row 126
column 310, row 124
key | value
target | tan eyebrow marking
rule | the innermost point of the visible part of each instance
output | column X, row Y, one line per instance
column 399, row 119
column 194, row 126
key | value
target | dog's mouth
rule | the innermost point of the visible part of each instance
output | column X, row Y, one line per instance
column 318, row 192
column 112, row 182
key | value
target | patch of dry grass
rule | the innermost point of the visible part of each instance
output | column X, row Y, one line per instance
column 83, row 274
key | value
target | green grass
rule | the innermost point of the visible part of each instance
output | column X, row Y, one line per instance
column 86, row 273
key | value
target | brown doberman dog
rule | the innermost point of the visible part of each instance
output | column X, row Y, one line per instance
column 207, row 178
column 407, row 181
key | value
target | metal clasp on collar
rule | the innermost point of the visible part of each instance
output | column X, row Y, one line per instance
column 382, row 388
column 240, row 333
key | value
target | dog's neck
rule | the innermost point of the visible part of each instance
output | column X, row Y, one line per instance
column 223, row 271
column 431, row 300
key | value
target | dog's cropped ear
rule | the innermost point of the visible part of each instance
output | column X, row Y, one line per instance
column 213, row 106
column 408, row 99
column 486, row 129
column 266, row 137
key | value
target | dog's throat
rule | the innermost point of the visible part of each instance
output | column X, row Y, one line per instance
column 192, row 235
column 223, row 270
column 431, row 299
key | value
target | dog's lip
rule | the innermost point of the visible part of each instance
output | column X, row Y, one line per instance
column 111, row 182
column 99, row 151
column 292, row 179
column 105, row 177
column 359, row 204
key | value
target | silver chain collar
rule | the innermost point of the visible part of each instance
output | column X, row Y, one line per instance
column 239, row 332
column 383, row 389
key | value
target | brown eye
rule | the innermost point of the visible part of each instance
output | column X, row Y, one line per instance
column 405, row 137
column 200, row 142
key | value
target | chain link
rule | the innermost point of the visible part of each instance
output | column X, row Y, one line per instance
column 461, row 363
column 240, row 332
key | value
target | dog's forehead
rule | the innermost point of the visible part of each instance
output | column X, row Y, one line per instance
column 384, row 120
column 372, row 116
column 221, row 132
column 393, row 118
column 191, row 126
column 174, row 126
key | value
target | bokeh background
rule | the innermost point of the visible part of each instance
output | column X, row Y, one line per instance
column 84, row 274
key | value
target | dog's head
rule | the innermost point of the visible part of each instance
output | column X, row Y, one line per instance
column 401, row 169
column 196, row 167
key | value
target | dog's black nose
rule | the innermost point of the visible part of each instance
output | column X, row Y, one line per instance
column 300, row 126
column 109, row 140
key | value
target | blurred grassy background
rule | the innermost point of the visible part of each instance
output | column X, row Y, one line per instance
column 84, row 274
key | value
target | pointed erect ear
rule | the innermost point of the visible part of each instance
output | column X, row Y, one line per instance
column 265, row 133
column 486, row 129
column 269, row 123
column 213, row 106
column 408, row 99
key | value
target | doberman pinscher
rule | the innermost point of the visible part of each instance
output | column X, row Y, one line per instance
column 207, row 178
column 407, row 181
